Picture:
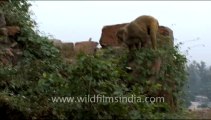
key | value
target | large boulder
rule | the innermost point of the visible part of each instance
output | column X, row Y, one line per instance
column 108, row 35
column 165, row 37
column 109, row 39
column 68, row 50
column 166, row 31
column 86, row 47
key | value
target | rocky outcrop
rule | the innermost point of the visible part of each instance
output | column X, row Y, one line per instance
column 66, row 49
column 165, row 40
column 108, row 35
column 87, row 47
column 69, row 50
column 9, row 52
column 109, row 39
column 166, row 31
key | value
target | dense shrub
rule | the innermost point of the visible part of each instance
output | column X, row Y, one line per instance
column 29, row 87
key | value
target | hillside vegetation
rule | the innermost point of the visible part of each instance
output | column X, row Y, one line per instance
column 28, row 86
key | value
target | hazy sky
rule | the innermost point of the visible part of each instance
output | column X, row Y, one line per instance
column 72, row 21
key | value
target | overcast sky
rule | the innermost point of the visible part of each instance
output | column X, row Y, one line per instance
column 72, row 21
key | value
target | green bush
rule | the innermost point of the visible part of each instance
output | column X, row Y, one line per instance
column 29, row 87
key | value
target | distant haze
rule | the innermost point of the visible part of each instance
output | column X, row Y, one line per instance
column 72, row 21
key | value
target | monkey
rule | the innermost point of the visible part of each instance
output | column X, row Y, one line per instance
column 141, row 33
column 142, row 30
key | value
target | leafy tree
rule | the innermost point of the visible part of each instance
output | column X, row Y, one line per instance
column 199, row 81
